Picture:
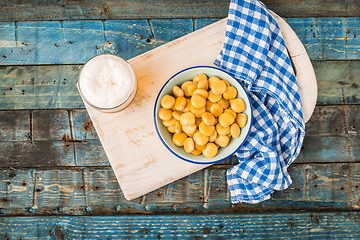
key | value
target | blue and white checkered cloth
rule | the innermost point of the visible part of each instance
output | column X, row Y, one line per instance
column 254, row 52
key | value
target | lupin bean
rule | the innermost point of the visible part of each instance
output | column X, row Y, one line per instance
column 204, row 114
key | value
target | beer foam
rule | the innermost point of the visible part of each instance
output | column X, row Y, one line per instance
column 106, row 81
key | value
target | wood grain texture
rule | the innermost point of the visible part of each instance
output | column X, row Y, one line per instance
column 67, row 138
column 52, row 162
column 134, row 9
column 54, row 86
column 37, row 153
column 179, row 27
column 39, row 87
column 95, row 191
column 122, row 137
column 123, row 134
column 74, row 42
column 51, row 125
column 338, row 82
column 38, row 42
column 311, row 225
column 15, row 125
column 327, row 38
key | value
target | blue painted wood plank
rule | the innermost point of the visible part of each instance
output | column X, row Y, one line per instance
column 325, row 149
column 355, row 179
column 338, row 82
column 330, row 183
column 94, row 191
column 128, row 38
column 39, row 87
column 55, row 42
column 103, row 194
column 170, row 29
column 16, row 190
column 353, row 38
column 328, row 38
column 203, row 22
column 332, row 33
column 83, row 127
column 90, row 153
column 73, row 42
column 64, row 190
column 82, row 40
column 308, row 32
column 38, row 42
column 189, row 189
column 49, row 138
column 8, row 35
column 313, row 225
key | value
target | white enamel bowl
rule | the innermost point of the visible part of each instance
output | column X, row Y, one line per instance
column 166, row 137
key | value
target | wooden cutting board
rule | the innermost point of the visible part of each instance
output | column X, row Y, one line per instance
column 139, row 160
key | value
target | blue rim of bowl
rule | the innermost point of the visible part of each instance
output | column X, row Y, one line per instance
column 164, row 143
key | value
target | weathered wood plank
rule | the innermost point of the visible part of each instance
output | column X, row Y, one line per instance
column 83, row 39
column 325, row 38
column 324, row 149
column 355, row 184
column 333, row 183
column 16, row 190
column 338, row 82
column 51, row 125
column 37, row 138
column 43, row 153
column 62, row 189
column 200, row 23
column 179, row 27
column 67, row 138
column 333, row 37
column 189, row 189
column 90, row 153
column 128, row 38
column 326, row 140
column 125, row 9
column 83, row 127
column 132, row 9
column 51, row 42
column 353, row 30
column 327, row 121
column 39, row 87
column 353, row 128
column 103, row 194
column 95, row 191
column 14, row 125
column 313, row 225
column 74, row 42
column 52, row 87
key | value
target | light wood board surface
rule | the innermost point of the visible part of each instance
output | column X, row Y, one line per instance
column 139, row 160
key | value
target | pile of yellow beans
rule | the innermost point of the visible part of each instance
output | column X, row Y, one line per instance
column 203, row 114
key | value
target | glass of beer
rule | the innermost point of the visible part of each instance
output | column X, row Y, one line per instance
column 107, row 83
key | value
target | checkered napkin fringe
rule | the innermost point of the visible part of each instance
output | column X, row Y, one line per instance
column 255, row 53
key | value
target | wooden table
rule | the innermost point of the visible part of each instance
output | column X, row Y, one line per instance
column 56, row 182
